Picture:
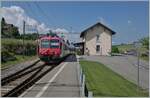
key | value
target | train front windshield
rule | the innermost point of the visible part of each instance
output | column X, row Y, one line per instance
column 54, row 43
column 50, row 44
column 45, row 44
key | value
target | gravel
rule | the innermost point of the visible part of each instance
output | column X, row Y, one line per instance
column 13, row 69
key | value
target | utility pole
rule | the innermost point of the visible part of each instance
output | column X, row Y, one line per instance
column 23, row 38
column 37, row 42
column 137, row 46
column 138, row 70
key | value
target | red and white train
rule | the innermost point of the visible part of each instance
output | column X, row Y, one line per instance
column 53, row 48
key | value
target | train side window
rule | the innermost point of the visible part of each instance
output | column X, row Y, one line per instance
column 60, row 45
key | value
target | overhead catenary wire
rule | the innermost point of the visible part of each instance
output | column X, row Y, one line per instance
column 32, row 13
column 47, row 17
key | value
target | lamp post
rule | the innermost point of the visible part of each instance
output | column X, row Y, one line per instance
column 137, row 45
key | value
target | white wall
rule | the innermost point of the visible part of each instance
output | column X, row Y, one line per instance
column 105, row 41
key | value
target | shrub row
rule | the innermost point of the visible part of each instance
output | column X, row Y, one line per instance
column 11, row 47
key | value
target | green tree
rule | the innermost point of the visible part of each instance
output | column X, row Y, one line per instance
column 115, row 49
column 2, row 25
column 145, row 42
column 15, row 32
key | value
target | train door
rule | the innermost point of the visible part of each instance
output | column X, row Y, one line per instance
column 61, row 48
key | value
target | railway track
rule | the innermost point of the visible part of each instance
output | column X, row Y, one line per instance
column 18, row 73
column 14, row 85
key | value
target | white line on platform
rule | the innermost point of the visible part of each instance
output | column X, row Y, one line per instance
column 50, row 81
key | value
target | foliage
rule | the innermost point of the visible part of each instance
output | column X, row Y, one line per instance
column 6, row 56
column 9, row 30
column 15, row 32
column 78, row 51
column 15, row 46
column 2, row 25
column 29, row 36
column 145, row 42
column 115, row 49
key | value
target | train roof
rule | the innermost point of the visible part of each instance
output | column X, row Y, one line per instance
column 50, row 37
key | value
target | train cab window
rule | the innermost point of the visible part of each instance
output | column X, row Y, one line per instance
column 54, row 43
column 45, row 44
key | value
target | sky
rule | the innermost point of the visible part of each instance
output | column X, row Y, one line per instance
column 130, row 20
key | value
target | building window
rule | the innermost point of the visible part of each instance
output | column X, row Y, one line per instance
column 97, row 37
column 97, row 48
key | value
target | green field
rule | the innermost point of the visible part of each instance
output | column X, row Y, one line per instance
column 104, row 82
column 127, row 47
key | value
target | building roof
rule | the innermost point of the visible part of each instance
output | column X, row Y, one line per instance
column 100, row 24
column 79, row 43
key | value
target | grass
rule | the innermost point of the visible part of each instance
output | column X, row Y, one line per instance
column 146, row 58
column 127, row 47
column 20, row 59
column 11, row 40
column 11, row 46
column 104, row 82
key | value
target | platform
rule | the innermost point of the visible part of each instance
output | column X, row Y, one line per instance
column 62, row 81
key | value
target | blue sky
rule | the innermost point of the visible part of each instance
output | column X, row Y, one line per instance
column 128, row 19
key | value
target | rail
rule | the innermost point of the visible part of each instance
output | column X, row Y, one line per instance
column 40, row 71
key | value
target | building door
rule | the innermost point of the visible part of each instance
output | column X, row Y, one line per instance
column 97, row 48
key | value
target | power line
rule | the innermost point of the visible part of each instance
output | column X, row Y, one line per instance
column 68, row 33
column 28, row 6
column 47, row 17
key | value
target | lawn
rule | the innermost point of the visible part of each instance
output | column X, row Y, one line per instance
column 104, row 82
column 127, row 47
column 20, row 59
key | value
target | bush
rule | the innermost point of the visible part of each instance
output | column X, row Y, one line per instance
column 6, row 56
column 79, row 52
column 145, row 54
column 16, row 46
column 115, row 49
column 145, row 42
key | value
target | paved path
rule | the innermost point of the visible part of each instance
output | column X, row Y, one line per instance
column 125, row 66
column 63, row 81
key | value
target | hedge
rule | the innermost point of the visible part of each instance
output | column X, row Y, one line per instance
column 16, row 47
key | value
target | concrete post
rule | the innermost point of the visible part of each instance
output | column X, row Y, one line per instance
column 83, row 86
column 90, row 94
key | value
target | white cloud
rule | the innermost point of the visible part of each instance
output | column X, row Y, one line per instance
column 15, row 15
column 60, row 30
